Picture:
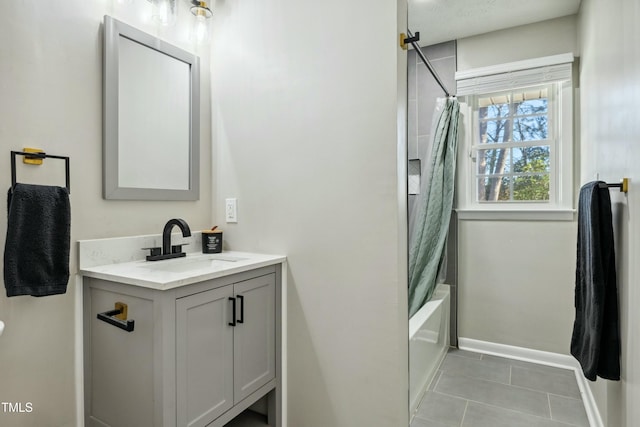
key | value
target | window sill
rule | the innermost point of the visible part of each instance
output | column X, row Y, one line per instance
column 517, row 214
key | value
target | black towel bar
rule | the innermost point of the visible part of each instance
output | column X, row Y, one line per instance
column 114, row 317
column 38, row 156
column 623, row 186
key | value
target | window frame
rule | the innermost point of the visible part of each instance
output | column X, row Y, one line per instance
column 551, row 141
column 560, row 205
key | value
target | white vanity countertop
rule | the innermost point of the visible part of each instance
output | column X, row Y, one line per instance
column 173, row 273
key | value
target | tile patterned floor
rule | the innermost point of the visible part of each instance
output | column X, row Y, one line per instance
column 478, row 390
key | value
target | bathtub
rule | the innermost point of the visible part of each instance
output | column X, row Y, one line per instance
column 428, row 343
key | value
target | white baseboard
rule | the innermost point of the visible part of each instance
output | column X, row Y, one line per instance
column 542, row 358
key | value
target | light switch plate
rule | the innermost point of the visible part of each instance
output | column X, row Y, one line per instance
column 231, row 210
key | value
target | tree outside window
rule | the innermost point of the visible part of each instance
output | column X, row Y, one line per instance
column 513, row 146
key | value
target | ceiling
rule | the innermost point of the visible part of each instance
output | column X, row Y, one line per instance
column 443, row 20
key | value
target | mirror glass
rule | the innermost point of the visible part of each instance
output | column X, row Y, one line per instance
column 151, row 112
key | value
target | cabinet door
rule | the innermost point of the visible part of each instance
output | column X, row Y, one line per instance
column 254, row 339
column 121, row 363
column 204, row 356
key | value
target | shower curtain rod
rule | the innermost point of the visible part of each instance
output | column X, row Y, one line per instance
column 413, row 39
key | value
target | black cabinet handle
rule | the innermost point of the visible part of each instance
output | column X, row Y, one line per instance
column 109, row 317
column 233, row 305
column 241, row 319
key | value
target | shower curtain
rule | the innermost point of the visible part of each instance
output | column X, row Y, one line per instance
column 431, row 224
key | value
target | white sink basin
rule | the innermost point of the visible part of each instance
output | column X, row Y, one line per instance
column 181, row 265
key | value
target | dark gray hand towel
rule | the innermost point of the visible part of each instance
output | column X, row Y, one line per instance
column 36, row 252
column 595, row 341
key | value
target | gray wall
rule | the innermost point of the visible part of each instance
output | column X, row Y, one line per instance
column 308, row 137
column 311, row 144
column 609, row 76
column 51, row 98
column 509, row 269
column 551, row 37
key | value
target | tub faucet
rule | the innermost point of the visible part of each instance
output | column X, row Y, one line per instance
column 169, row 251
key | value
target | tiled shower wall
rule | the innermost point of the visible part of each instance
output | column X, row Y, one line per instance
column 422, row 94
column 423, row 91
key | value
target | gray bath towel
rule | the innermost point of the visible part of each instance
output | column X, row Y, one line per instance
column 595, row 341
column 36, row 252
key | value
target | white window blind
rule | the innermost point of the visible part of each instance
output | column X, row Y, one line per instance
column 515, row 75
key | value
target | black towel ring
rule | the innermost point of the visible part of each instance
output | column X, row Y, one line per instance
column 38, row 156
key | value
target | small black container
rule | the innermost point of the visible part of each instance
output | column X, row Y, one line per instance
column 211, row 242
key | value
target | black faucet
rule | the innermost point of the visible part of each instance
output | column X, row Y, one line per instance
column 169, row 251
column 166, row 233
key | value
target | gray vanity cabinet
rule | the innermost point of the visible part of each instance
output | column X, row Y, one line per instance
column 222, row 359
column 189, row 361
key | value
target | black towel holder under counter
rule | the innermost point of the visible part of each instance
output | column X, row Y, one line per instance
column 39, row 155
column 118, row 317
column 623, row 185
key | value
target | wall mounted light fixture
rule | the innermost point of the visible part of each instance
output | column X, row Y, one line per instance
column 202, row 14
column 164, row 12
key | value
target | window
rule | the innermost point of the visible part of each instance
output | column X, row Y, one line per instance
column 516, row 146
column 513, row 145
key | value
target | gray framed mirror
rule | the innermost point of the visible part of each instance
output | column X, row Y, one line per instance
column 151, row 137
